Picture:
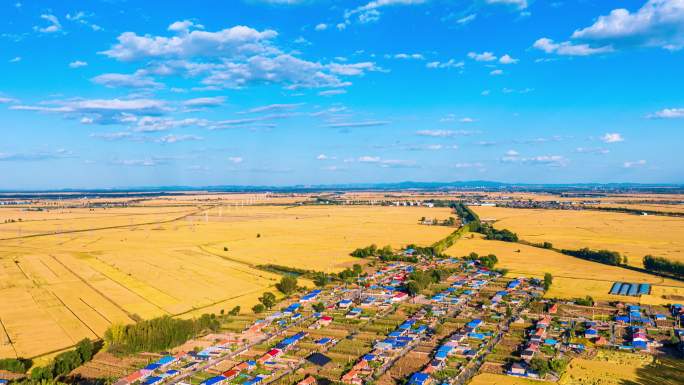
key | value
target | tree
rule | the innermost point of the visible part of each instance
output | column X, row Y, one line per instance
column 15, row 365
column 85, row 349
column 548, row 280
column 268, row 300
column 321, row 279
column 318, row 307
column 357, row 269
column 413, row 288
column 540, row 366
column 234, row 311
column 287, row 285
column 41, row 373
column 547, row 245
column 258, row 308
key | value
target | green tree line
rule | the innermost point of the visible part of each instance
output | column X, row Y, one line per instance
column 663, row 265
column 157, row 334
column 65, row 362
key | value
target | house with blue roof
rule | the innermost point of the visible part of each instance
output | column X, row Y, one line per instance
column 419, row 379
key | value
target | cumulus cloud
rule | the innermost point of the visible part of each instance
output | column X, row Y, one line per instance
column 53, row 24
column 507, row 59
column 227, row 42
column 658, row 23
column 496, row 72
column 667, row 113
column 321, row 27
column 415, row 56
column 77, row 64
column 612, row 138
column 230, row 58
column 370, row 11
column 484, row 56
column 567, row 48
column 452, row 63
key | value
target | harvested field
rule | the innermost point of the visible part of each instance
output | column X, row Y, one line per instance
column 573, row 277
column 632, row 235
column 500, row 379
column 64, row 287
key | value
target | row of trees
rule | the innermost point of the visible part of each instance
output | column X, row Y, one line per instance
column 15, row 365
column 373, row 251
column 663, row 265
column 157, row 334
column 542, row 366
column 488, row 261
column 603, row 256
column 65, row 362
column 497, row 235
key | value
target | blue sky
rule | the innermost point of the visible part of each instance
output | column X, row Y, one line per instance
column 121, row 93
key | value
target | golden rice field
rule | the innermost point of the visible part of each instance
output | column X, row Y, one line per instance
column 573, row 277
column 619, row 368
column 632, row 235
column 500, row 379
column 59, row 288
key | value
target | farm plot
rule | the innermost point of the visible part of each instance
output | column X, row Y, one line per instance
column 62, row 288
column 632, row 235
column 573, row 277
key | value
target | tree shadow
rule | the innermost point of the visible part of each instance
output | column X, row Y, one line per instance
column 663, row 371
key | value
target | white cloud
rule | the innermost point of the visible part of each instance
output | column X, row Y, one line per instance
column 53, row 24
column 444, row 133
column 272, row 107
column 667, row 113
column 4, row 100
column 484, row 56
column 415, row 56
column 467, row 120
column 567, row 48
column 15, row 59
column 321, row 27
column 171, row 138
column 545, row 160
column 469, row 165
column 370, row 16
column 612, row 138
column 100, row 111
column 594, row 151
column 634, row 164
column 322, row 157
column 369, row 159
column 507, row 59
column 367, row 123
column 448, row 64
column 238, row 40
column 235, row 159
column 496, row 72
column 332, row 92
column 466, row 19
column 658, row 23
column 136, row 80
column 77, row 64
column 369, row 12
column 485, row 92
column 205, row 102
column 520, row 4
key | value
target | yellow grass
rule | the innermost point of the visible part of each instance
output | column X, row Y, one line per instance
column 632, row 235
column 607, row 368
column 573, row 277
column 500, row 379
column 57, row 289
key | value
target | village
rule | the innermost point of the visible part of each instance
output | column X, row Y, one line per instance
column 372, row 331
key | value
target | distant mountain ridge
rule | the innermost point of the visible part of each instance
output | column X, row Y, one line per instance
column 396, row 186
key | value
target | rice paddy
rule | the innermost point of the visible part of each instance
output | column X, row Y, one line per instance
column 112, row 265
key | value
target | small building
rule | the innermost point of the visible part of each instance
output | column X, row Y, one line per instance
column 310, row 380
column 517, row 369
